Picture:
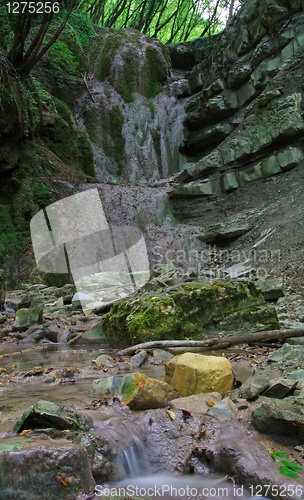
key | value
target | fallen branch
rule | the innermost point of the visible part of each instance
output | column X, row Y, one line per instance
column 85, row 82
column 216, row 343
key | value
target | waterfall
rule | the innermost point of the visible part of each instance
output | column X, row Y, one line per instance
column 134, row 460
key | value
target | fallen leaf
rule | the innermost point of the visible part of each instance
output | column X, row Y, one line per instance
column 186, row 414
column 26, row 431
column 202, row 433
column 210, row 403
column 171, row 414
column 150, row 421
column 180, row 427
column 64, row 480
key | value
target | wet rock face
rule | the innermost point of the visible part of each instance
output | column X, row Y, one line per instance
column 135, row 125
column 188, row 310
column 131, row 63
column 57, row 470
column 244, row 121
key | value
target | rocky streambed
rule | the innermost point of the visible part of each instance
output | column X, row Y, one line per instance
column 77, row 416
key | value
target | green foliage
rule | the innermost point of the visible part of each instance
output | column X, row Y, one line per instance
column 11, row 236
column 288, row 468
column 170, row 21
column 83, row 27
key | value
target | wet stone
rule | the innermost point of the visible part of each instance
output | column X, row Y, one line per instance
column 45, row 470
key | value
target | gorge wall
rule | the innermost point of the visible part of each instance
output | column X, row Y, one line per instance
column 207, row 164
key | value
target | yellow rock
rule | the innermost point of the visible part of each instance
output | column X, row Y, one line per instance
column 192, row 373
column 142, row 392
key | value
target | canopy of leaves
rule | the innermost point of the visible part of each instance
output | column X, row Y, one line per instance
column 170, row 21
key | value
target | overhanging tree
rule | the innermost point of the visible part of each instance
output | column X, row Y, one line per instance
column 28, row 45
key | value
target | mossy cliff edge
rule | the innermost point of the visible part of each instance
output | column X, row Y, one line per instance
column 193, row 311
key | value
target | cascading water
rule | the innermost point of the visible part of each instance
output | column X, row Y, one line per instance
column 134, row 460
column 131, row 112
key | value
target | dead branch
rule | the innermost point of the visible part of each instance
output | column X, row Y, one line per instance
column 216, row 343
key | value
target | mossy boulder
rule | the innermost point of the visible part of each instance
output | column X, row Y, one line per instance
column 46, row 414
column 27, row 317
column 189, row 311
column 132, row 63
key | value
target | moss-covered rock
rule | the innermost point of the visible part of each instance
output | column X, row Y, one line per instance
column 62, row 135
column 27, row 317
column 119, row 59
column 46, row 414
column 189, row 311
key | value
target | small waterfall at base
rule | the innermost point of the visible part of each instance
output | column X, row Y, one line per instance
column 134, row 460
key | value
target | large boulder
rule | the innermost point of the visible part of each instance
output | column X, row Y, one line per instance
column 189, row 310
column 46, row 469
column 192, row 373
column 136, row 390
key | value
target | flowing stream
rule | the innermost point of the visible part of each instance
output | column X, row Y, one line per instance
column 24, row 391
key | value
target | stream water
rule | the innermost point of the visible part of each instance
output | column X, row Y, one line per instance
column 24, row 391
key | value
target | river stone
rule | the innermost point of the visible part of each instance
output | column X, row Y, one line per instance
column 254, row 385
column 223, row 410
column 27, row 317
column 286, row 353
column 196, row 403
column 298, row 375
column 46, row 414
column 192, row 373
column 3, row 284
column 280, row 388
column 39, row 469
column 138, row 359
column 161, row 355
column 272, row 289
column 189, row 310
column 284, row 417
column 136, row 390
column 104, row 360
column 94, row 335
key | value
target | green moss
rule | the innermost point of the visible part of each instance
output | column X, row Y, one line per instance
column 157, row 68
column 41, row 194
column 190, row 310
column 105, row 128
column 86, row 161
column 106, row 56
column 152, row 108
column 66, row 141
